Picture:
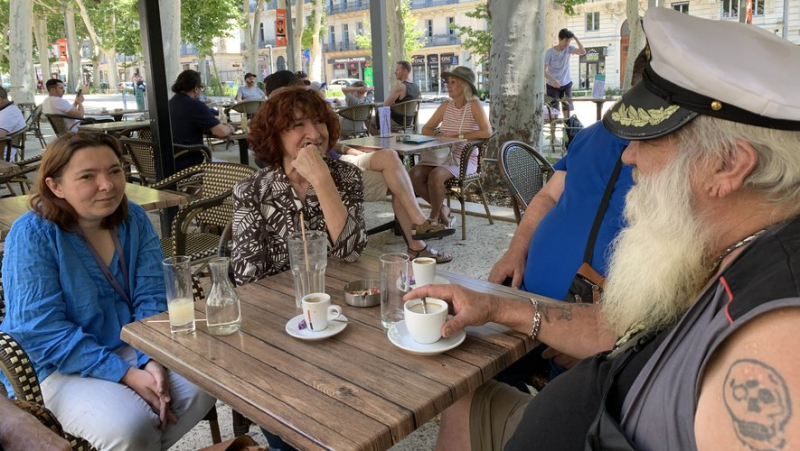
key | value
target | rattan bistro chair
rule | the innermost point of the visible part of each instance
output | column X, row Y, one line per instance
column 410, row 112
column 458, row 186
column 142, row 156
column 212, row 209
column 34, row 125
column 15, row 144
column 354, row 120
column 57, row 121
column 525, row 172
column 18, row 370
column 20, row 175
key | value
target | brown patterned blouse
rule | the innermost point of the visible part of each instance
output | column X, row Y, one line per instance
column 267, row 211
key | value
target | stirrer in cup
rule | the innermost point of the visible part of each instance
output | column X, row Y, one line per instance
column 305, row 245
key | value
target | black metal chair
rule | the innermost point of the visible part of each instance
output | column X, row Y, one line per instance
column 525, row 172
column 458, row 186
column 142, row 156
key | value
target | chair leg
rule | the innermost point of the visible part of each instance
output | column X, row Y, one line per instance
column 213, row 424
column 463, row 201
column 240, row 423
column 482, row 193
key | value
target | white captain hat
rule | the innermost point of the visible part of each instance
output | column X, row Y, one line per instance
column 730, row 70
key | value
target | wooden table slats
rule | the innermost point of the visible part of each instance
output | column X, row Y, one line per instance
column 11, row 208
column 351, row 391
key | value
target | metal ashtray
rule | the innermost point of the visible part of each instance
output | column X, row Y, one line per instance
column 356, row 293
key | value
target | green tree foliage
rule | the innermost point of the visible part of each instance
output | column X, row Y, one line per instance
column 413, row 36
column 308, row 30
column 478, row 42
column 569, row 5
column 202, row 21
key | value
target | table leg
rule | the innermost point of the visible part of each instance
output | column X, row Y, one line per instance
column 599, row 110
column 166, row 216
column 244, row 158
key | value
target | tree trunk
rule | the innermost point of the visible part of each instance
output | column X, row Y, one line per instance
column 315, row 70
column 40, row 35
column 214, row 73
column 396, row 31
column 74, row 71
column 20, row 50
column 251, row 37
column 171, row 35
column 113, row 77
column 300, row 21
column 637, row 40
column 517, row 76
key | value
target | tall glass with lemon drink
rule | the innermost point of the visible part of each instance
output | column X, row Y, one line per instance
column 180, row 301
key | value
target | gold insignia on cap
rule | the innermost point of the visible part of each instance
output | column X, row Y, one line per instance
column 716, row 105
column 631, row 116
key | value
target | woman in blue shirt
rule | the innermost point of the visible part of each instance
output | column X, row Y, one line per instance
column 79, row 266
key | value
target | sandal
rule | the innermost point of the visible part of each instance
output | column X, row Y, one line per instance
column 430, row 252
column 428, row 230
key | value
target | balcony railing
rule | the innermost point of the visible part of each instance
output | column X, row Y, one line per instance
column 261, row 44
column 431, row 3
column 341, row 47
column 339, row 7
column 439, row 40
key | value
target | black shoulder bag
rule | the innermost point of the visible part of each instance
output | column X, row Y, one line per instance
column 588, row 283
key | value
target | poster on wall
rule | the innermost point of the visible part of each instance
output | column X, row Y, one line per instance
column 280, row 27
column 62, row 49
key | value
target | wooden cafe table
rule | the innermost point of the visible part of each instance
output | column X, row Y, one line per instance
column 113, row 128
column 11, row 208
column 352, row 391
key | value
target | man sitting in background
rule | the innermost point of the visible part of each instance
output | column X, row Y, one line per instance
column 11, row 119
column 191, row 119
column 55, row 103
column 249, row 91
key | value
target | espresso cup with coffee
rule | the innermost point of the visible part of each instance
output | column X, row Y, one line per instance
column 425, row 328
column 317, row 311
column 424, row 270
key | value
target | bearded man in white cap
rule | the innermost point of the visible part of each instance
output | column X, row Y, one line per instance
column 697, row 331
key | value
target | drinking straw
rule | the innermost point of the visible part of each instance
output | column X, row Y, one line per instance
column 305, row 244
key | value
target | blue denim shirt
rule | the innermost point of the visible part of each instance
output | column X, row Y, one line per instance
column 61, row 308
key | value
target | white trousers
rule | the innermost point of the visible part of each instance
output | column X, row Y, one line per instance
column 112, row 416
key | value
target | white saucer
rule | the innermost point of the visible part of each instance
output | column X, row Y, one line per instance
column 334, row 327
column 399, row 336
column 438, row 280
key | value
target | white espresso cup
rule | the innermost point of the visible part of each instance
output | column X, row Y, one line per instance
column 317, row 311
column 425, row 328
column 424, row 270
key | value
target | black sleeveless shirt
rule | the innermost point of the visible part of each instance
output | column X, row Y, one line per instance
column 582, row 408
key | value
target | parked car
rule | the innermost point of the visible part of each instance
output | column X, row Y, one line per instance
column 343, row 82
column 126, row 85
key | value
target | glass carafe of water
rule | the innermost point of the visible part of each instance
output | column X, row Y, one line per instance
column 223, row 312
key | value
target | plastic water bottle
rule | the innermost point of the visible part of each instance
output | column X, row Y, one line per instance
column 223, row 310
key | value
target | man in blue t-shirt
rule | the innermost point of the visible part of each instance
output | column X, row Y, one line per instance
column 548, row 246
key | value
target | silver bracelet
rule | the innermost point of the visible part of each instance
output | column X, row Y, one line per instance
column 537, row 319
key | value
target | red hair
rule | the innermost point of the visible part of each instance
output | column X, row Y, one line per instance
column 278, row 114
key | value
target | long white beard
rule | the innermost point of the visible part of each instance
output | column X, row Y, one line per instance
column 659, row 262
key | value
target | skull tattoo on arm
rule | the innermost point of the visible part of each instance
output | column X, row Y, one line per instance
column 758, row 401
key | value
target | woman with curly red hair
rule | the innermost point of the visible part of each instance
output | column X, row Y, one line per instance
column 290, row 135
